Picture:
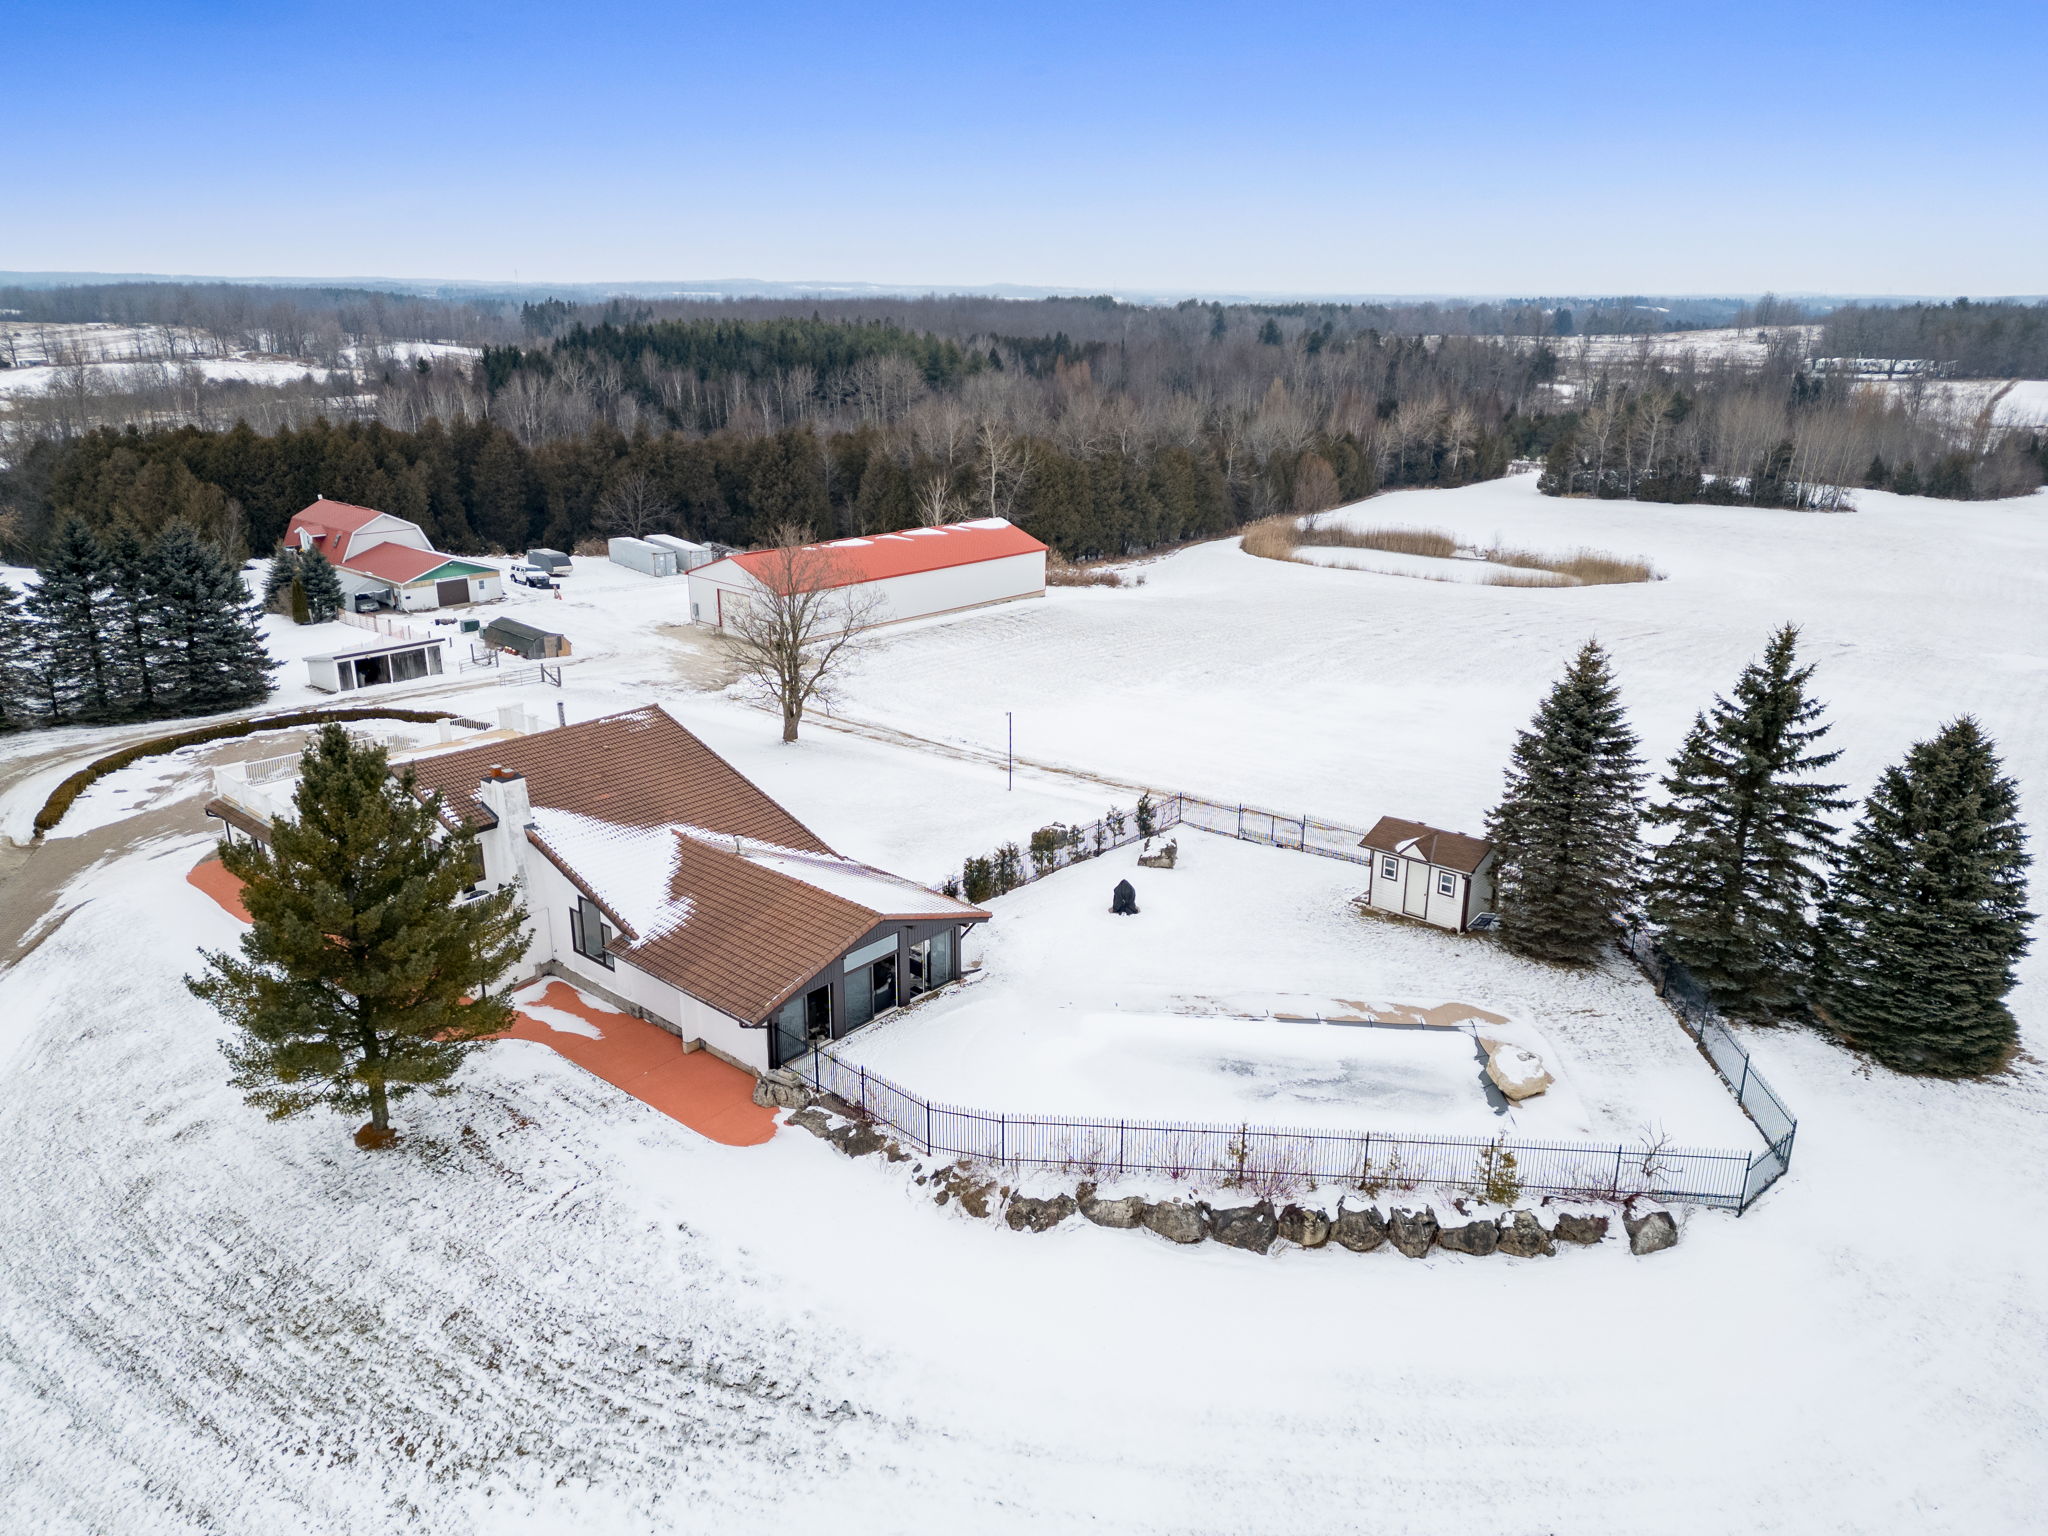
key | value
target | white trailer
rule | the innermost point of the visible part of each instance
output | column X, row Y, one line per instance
column 688, row 556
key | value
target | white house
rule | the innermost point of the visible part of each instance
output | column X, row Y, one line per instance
column 390, row 558
column 660, row 877
column 1419, row 871
column 912, row 574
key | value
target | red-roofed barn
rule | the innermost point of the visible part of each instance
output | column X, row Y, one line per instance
column 912, row 574
column 389, row 559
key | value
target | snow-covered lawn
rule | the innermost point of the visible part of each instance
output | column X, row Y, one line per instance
column 1183, row 1012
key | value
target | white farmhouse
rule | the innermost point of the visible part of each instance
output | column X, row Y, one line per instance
column 389, row 558
column 658, row 876
column 914, row 573
column 1419, row 871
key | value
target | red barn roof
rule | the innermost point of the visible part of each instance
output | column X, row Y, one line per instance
column 846, row 562
column 402, row 563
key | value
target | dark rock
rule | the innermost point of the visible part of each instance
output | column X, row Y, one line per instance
column 857, row 1140
column 1303, row 1227
column 1360, row 1231
column 1573, row 1228
column 1651, row 1233
column 1412, row 1231
column 1026, row 1214
column 1522, row 1236
column 1176, row 1220
column 1478, row 1238
column 956, row 1183
column 812, row 1120
column 1244, row 1226
column 1123, row 1212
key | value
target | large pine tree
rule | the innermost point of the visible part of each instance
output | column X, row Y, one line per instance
column 77, row 675
column 362, row 978
column 1927, row 917
column 323, row 587
column 1566, row 828
column 17, row 666
column 130, row 618
column 213, row 653
column 278, row 577
column 1751, row 839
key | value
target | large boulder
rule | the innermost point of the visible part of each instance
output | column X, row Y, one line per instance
column 1360, row 1231
column 1178, row 1221
column 1122, row 1212
column 1245, row 1226
column 1652, row 1232
column 781, row 1090
column 858, row 1139
column 1517, row 1073
column 1303, row 1227
column 955, row 1182
column 1573, row 1227
column 1478, row 1238
column 1412, row 1231
column 813, row 1120
column 1522, row 1236
column 1026, row 1214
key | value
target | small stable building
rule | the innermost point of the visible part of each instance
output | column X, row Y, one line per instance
column 1424, row 872
column 374, row 663
column 525, row 640
column 912, row 574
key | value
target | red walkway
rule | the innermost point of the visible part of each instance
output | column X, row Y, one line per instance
column 711, row 1098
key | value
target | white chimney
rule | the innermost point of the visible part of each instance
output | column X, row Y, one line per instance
column 505, row 795
column 447, row 728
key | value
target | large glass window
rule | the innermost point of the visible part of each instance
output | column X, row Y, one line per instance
column 939, row 966
column 589, row 932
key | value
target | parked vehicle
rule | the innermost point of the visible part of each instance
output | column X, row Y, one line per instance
column 530, row 576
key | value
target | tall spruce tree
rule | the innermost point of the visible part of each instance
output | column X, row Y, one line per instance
column 1927, row 917
column 1566, row 827
column 278, row 577
column 17, row 666
column 1750, row 838
column 130, row 617
column 323, row 587
column 362, row 978
column 213, row 653
column 70, row 627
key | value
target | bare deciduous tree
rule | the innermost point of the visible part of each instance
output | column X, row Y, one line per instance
column 936, row 504
column 633, row 505
column 791, row 637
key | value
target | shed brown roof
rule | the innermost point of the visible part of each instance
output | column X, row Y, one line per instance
column 1433, row 845
column 754, row 903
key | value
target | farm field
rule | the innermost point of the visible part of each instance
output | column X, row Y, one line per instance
column 566, row 1312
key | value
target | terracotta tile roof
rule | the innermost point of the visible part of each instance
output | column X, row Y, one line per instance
column 744, row 905
column 843, row 562
column 1433, row 845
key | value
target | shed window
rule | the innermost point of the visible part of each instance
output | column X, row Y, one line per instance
column 1446, row 883
column 589, row 932
column 1390, row 868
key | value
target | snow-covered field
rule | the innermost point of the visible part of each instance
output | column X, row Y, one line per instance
column 561, row 1311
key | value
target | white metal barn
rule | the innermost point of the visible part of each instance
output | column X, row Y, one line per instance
column 1444, row 878
column 915, row 573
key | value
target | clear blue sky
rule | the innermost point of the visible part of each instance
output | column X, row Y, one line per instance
column 1470, row 147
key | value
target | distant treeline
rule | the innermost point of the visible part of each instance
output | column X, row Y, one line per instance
column 1974, row 340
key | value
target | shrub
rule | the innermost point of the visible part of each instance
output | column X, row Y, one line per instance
column 1495, row 1180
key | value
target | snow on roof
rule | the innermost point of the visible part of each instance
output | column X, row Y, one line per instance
column 847, row 562
column 877, row 890
column 630, row 869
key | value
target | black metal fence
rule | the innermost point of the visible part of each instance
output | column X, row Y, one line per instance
column 1273, row 1162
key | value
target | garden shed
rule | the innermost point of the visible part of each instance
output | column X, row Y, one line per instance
column 528, row 640
column 1424, row 872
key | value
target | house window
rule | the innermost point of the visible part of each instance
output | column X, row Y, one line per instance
column 1390, row 868
column 1446, row 883
column 473, row 856
column 589, row 932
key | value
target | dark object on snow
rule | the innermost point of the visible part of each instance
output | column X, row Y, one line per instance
column 1124, row 900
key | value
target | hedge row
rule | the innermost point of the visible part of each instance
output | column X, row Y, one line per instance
column 61, row 797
